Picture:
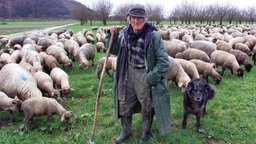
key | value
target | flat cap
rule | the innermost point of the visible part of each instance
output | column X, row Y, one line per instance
column 137, row 10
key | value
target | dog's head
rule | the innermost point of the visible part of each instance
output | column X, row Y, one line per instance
column 198, row 90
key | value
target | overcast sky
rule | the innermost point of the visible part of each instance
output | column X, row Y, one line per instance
column 169, row 5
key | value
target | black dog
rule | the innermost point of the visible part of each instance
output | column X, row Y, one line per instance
column 196, row 95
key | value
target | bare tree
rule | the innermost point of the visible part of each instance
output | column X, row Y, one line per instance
column 221, row 11
column 232, row 13
column 175, row 14
column 121, row 12
column 103, row 8
column 251, row 13
column 155, row 12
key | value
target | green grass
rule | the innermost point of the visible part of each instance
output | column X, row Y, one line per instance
column 230, row 115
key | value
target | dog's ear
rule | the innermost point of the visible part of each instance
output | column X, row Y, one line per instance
column 190, row 87
column 210, row 90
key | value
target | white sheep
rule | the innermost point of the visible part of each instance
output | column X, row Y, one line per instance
column 48, row 61
column 16, row 81
column 61, row 80
column 177, row 74
column 203, row 45
column 192, row 53
column 45, row 84
column 60, row 54
column 189, row 68
column 44, row 106
column 85, row 53
column 174, row 46
column 11, row 104
column 109, row 65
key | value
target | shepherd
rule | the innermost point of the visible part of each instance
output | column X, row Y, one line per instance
column 141, row 75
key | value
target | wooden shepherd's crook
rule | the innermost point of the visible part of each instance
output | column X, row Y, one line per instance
column 99, row 88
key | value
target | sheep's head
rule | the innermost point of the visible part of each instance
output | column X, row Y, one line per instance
column 16, row 103
column 67, row 115
column 240, row 72
column 65, row 92
column 68, row 64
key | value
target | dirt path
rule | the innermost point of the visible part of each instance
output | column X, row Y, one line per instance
column 41, row 30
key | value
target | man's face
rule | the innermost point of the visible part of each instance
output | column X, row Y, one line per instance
column 137, row 23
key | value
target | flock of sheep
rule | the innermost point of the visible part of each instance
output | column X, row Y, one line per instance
column 32, row 68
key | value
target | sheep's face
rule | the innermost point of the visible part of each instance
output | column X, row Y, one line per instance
column 65, row 92
column 16, row 104
column 67, row 116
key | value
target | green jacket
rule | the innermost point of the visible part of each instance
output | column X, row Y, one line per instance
column 157, row 64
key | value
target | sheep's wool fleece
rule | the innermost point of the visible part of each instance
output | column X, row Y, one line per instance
column 15, row 80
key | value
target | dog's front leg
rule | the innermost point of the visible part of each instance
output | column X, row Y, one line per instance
column 198, row 116
column 185, row 117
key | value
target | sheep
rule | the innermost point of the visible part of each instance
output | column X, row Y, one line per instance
column 61, row 81
column 207, row 69
column 192, row 53
column 16, row 81
column 85, row 53
column 174, row 46
column 223, row 45
column 28, row 67
column 80, row 38
column 49, row 61
column 254, row 55
column 242, row 58
column 33, row 58
column 187, row 38
column 243, row 48
column 165, row 34
column 177, row 74
column 6, row 57
column 16, row 56
column 108, row 65
column 203, row 45
column 71, row 46
column 43, row 106
column 90, row 39
column 100, row 46
column 235, row 40
column 15, row 39
column 10, row 104
column 60, row 54
column 45, row 84
column 189, row 68
column 250, row 41
column 226, row 60
column 45, row 42
column 2, row 63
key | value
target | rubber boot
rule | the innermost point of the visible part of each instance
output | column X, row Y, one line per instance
column 146, row 126
column 126, row 122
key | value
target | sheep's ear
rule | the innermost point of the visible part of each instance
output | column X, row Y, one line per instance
column 62, row 117
column 14, row 102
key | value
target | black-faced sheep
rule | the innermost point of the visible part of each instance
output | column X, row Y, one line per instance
column 207, row 69
column 243, row 48
column 44, row 106
column 61, row 81
column 16, row 81
column 85, row 53
column 177, row 74
column 226, row 60
column 189, row 68
column 192, row 53
column 242, row 58
column 10, row 104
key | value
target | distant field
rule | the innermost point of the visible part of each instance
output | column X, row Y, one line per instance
column 19, row 26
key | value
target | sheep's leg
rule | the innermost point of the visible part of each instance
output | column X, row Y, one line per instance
column 12, row 116
column 185, row 117
column 223, row 70
column 26, row 123
column 107, row 71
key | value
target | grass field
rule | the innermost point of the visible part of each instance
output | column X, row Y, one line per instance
column 230, row 115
